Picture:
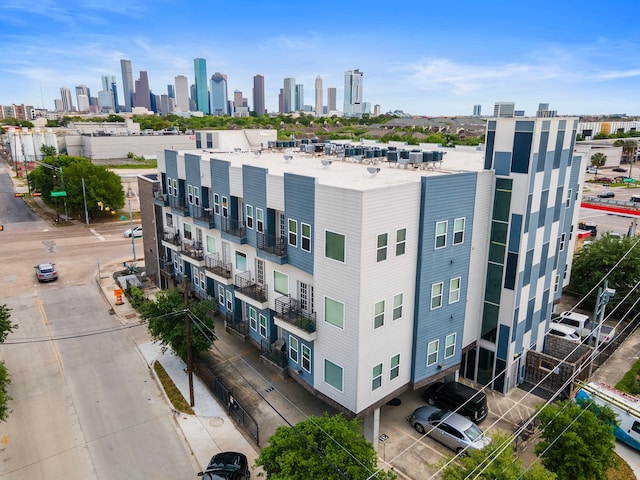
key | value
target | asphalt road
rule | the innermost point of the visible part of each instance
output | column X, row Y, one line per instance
column 84, row 404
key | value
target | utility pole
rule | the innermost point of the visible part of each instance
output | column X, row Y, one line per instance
column 84, row 198
column 604, row 295
column 187, row 324
column 133, row 237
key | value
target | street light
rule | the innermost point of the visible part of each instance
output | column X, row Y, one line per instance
column 604, row 295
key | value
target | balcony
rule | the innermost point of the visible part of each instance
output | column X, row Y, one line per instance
column 272, row 248
column 290, row 314
column 194, row 251
column 220, row 271
column 166, row 267
column 179, row 206
column 172, row 240
column 249, row 291
column 203, row 216
column 233, row 230
column 160, row 199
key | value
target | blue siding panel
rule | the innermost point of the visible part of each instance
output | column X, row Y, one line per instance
column 503, row 342
column 254, row 186
column 299, row 205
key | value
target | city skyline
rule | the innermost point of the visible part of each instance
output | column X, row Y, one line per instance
column 444, row 63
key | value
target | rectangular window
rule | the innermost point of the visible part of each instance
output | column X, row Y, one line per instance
column 305, row 236
column 432, row 353
column 281, row 282
column 293, row 348
column 168, row 219
column 334, row 312
column 376, row 377
column 196, row 196
column 562, row 241
column 436, row 295
column 333, row 374
column 378, row 314
column 221, row 295
column 556, row 284
column 293, row 233
column 253, row 316
column 263, row 326
column 259, row 220
column 212, row 246
column 259, row 271
column 567, row 203
column 241, row 262
column 230, row 301
column 450, row 345
column 186, row 229
column 458, row 231
column 401, row 241
column 381, row 247
column 334, row 246
column 175, row 187
column 397, row 306
column 216, row 204
column 441, row 234
column 454, row 290
column 225, row 207
column 306, row 358
column 169, row 187
column 190, row 193
column 249, row 219
column 394, row 369
column 202, row 281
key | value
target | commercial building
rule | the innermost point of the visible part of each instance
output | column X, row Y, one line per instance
column 182, row 93
column 67, row 100
column 258, row 95
column 289, row 95
column 371, row 270
column 202, row 91
column 353, row 93
column 142, row 94
column 319, row 97
column 127, row 84
column 219, row 95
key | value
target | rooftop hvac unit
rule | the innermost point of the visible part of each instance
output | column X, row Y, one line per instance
column 326, row 163
column 373, row 171
column 287, row 158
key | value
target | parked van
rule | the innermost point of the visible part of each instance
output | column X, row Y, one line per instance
column 465, row 400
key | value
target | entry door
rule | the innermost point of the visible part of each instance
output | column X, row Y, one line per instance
column 226, row 252
column 305, row 296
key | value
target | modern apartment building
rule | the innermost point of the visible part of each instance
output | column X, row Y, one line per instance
column 202, row 90
column 383, row 268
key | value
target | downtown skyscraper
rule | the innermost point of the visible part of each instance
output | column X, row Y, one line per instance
column 318, row 106
column 258, row 95
column 127, row 84
column 182, row 93
column 219, row 95
column 331, row 99
column 289, row 95
column 352, row 93
column 202, row 91
column 142, row 94
column 67, row 99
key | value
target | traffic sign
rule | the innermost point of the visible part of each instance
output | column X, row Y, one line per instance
column 122, row 217
column 629, row 180
column 58, row 194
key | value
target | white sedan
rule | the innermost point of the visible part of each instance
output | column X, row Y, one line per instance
column 136, row 232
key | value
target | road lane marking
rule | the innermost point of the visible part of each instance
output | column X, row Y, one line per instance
column 98, row 236
column 46, row 324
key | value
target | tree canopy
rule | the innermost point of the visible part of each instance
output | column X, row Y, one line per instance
column 577, row 443
column 6, row 327
column 165, row 319
column 598, row 159
column 318, row 447
column 495, row 462
column 592, row 263
column 103, row 188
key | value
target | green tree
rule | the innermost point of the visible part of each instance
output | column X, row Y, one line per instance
column 165, row 320
column 6, row 327
column 592, row 263
column 500, row 462
column 48, row 150
column 629, row 149
column 316, row 447
column 576, row 443
column 598, row 159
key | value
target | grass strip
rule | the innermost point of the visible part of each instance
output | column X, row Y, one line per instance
column 175, row 397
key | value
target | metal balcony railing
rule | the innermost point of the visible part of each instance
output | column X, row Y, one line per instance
column 289, row 310
column 166, row 266
column 193, row 250
column 233, row 227
column 204, row 215
column 247, row 286
column 172, row 237
column 271, row 244
column 217, row 267
column 179, row 204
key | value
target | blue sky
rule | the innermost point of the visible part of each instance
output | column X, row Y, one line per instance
column 423, row 57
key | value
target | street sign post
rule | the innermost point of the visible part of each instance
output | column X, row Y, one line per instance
column 58, row 194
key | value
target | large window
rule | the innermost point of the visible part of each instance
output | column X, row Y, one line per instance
column 229, row 301
column 441, row 234
column 216, row 204
column 436, row 295
column 394, row 370
column 401, row 241
column 253, row 318
column 263, row 326
column 305, row 236
column 334, row 246
column 378, row 314
column 450, row 345
column 334, row 312
column 221, row 295
column 293, row 233
column 432, row 352
column 259, row 220
column 381, row 247
column 186, row 231
column 190, row 193
column 454, row 290
column 241, row 262
column 306, row 358
column 225, row 207
column 397, row 306
column 280, row 282
column 333, row 374
column 249, row 220
column 196, row 196
column 211, row 245
column 458, row 231
column 376, row 377
column 293, row 348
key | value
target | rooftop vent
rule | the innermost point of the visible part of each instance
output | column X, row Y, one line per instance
column 326, row 163
column 237, row 149
column 287, row 158
column 373, row 171
column 256, row 153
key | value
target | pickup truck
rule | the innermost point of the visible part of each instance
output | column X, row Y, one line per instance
column 582, row 325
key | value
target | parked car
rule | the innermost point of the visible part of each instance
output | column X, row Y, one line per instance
column 622, row 178
column 635, row 198
column 457, row 396
column 564, row 331
column 137, row 232
column 607, row 194
column 227, row 465
column 620, row 169
column 582, row 325
column 46, row 272
column 451, row 429
column 605, row 180
column 592, row 170
column 590, row 227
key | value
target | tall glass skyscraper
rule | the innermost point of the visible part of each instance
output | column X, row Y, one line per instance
column 127, row 84
column 318, row 107
column 202, row 92
column 67, row 100
column 353, row 93
column 331, row 99
column 289, row 95
column 219, row 97
column 299, row 103
column 182, row 93
column 258, row 95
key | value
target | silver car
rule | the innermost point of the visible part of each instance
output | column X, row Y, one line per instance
column 451, row 429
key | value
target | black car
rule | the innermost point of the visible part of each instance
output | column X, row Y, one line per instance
column 227, row 465
column 456, row 396
column 606, row 194
column 588, row 226
column 620, row 169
